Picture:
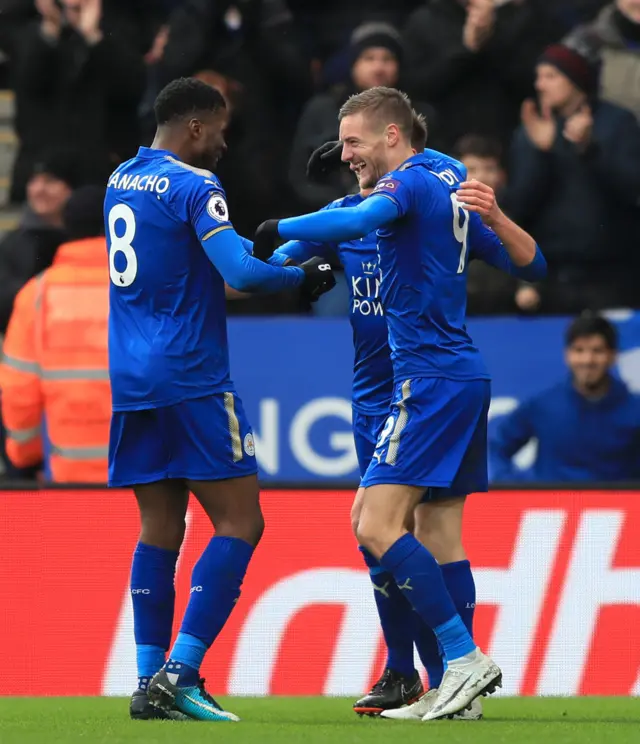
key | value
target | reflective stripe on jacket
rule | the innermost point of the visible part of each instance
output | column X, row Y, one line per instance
column 56, row 400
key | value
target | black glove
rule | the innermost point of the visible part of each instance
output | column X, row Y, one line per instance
column 264, row 241
column 324, row 160
column 318, row 278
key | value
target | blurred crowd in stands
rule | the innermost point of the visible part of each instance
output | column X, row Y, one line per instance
column 539, row 98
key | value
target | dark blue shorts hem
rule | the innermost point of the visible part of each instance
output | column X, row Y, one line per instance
column 146, row 479
column 412, row 484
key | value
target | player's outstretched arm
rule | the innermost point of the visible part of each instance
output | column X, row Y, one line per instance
column 244, row 273
column 207, row 212
column 332, row 225
column 299, row 251
column 292, row 253
column 523, row 257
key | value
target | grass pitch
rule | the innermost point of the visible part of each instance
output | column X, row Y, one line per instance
column 281, row 720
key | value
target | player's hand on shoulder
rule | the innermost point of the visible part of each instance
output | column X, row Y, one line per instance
column 475, row 196
column 318, row 278
column 324, row 159
column 264, row 241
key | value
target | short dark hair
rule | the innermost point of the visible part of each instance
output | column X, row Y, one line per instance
column 387, row 105
column 479, row 147
column 184, row 98
column 419, row 132
column 590, row 324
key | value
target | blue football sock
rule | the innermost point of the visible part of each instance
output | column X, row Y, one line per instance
column 419, row 577
column 215, row 588
column 462, row 589
column 153, row 598
column 150, row 659
column 428, row 650
column 396, row 617
column 186, row 658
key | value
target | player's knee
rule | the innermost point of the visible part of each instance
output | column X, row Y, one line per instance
column 355, row 518
column 163, row 533
column 356, row 510
column 354, row 523
column 257, row 528
column 248, row 526
column 377, row 539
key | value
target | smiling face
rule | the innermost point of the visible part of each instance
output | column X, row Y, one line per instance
column 47, row 196
column 364, row 147
column 590, row 359
column 207, row 138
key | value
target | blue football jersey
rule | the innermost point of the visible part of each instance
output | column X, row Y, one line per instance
column 167, row 316
column 423, row 257
column 372, row 371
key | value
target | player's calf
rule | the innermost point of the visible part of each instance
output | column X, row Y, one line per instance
column 234, row 510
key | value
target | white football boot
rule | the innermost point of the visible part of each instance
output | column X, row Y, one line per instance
column 464, row 681
column 418, row 710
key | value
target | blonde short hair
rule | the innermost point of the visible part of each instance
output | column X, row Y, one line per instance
column 385, row 106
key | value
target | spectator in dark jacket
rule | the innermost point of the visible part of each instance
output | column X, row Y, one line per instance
column 575, row 185
column 328, row 25
column 616, row 36
column 587, row 427
column 568, row 14
column 30, row 248
column 474, row 63
column 79, row 79
column 251, row 52
column 376, row 56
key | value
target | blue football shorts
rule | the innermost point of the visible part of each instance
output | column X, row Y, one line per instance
column 435, row 437
column 200, row 439
column 366, row 430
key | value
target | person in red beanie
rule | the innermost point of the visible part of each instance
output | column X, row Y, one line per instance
column 575, row 185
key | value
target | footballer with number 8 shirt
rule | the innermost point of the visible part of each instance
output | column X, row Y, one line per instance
column 433, row 445
column 178, row 425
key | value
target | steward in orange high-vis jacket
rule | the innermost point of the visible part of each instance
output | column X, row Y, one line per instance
column 54, row 382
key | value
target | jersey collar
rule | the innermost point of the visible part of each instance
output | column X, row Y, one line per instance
column 150, row 152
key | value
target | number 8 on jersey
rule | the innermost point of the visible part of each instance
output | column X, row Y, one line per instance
column 122, row 244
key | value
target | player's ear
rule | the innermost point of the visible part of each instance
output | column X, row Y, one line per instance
column 392, row 135
column 195, row 128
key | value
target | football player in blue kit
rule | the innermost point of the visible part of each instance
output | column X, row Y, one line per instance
column 178, row 425
column 400, row 685
column 432, row 447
